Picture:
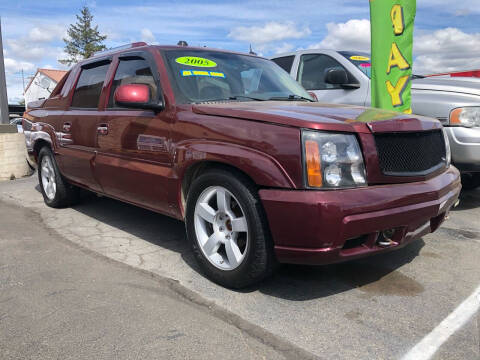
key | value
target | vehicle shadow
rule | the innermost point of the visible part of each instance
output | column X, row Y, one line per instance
column 147, row 225
column 469, row 199
column 374, row 275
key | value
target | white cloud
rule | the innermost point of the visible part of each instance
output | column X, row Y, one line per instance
column 13, row 66
column 352, row 35
column 24, row 49
column 34, row 46
column 147, row 36
column 285, row 47
column 15, row 90
column 46, row 33
column 60, row 54
column 270, row 32
column 27, row 51
column 447, row 49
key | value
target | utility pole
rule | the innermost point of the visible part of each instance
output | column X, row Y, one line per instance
column 23, row 82
column 3, row 85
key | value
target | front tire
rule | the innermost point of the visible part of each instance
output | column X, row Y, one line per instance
column 227, row 229
column 56, row 191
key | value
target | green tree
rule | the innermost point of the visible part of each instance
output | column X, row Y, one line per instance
column 83, row 40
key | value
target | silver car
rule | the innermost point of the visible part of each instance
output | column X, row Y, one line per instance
column 344, row 77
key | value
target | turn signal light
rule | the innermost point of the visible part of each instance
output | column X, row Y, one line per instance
column 455, row 116
column 314, row 168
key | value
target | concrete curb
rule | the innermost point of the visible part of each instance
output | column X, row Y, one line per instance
column 8, row 129
column 13, row 156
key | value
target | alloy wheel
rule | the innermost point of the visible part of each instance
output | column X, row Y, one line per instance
column 221, row 228
column 48, row 178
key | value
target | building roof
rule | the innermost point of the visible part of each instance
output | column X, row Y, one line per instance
column 55, row 75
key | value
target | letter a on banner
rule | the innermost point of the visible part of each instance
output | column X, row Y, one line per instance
column 392, row 46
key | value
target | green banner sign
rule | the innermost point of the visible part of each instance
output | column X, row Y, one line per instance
column 392, row 46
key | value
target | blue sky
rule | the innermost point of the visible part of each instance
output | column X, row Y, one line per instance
column 447, row 34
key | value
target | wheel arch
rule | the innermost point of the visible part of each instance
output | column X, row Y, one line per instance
column 200, row 167
column 42, row 135
column 38, row 145
column 259, row 168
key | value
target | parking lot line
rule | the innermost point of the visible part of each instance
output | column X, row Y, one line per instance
column 427, row 347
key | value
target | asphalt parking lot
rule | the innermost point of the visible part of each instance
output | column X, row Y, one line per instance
column 375, row 308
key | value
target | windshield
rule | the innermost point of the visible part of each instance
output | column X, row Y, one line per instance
column 205, row 75
column 360, row 60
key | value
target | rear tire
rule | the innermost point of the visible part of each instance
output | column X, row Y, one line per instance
column 470, row 181
column 227, row 229
column 56, row 191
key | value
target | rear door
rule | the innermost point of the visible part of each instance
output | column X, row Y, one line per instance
column 133, row 161
column 79, row 125
column 312, row 69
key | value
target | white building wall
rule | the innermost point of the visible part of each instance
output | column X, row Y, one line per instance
column 40, row 88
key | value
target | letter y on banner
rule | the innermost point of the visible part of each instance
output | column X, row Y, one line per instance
column 392, row 46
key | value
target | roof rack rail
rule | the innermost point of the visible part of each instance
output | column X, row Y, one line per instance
column 122, row 47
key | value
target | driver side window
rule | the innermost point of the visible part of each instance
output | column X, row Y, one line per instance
column 312, row 71
column 133, row 70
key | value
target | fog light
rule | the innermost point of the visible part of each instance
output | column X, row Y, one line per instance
column 388, row 234
column 385, row 238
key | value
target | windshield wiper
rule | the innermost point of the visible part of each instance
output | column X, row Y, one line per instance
column 414, row 76
column 291, row 97
column 247, row 97
column 233, row 97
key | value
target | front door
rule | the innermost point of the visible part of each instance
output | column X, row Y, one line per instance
column 311, row 74
column 133, row 162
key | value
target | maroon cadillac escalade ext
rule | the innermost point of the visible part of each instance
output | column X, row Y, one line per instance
column 229, row 143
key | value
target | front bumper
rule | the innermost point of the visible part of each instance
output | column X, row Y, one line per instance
column 465, row 144
column 321, row 227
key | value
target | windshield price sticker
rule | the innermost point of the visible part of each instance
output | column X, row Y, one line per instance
column 360, row 58
column 196, row 61
column 202, row 73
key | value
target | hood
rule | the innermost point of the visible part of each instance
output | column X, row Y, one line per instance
column 451, row 84
column 334, row 117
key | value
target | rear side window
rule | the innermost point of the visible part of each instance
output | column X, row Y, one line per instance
column 312, row 71
column 89, row 86
column 133, row 70
column 60, row 85
column 285, row 62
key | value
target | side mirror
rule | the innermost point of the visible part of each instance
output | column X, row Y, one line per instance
column 338, row 76
column 135, row 96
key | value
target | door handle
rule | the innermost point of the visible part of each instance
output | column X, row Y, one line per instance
column 102, row 129
column 66, row 127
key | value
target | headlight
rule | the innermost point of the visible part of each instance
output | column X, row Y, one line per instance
column 448, row 152
column 466, row 116
column 332, row 160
